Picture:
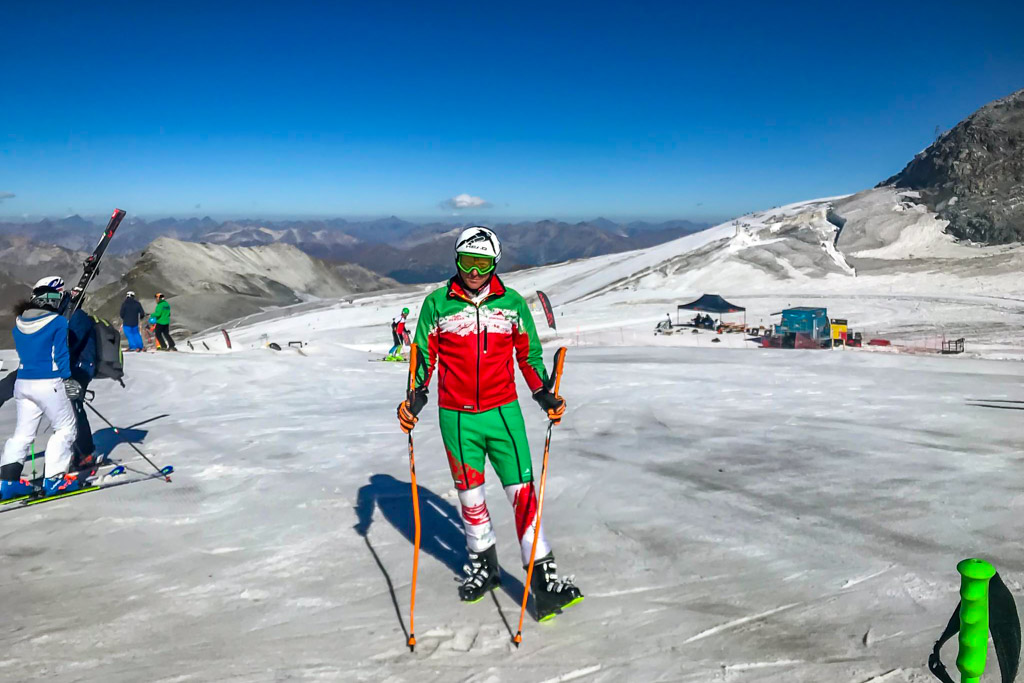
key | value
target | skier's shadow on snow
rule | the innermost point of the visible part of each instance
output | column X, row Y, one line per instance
column 441, row 534
column 106, row 440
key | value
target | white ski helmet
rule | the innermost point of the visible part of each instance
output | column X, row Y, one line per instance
column 48, row 293
column 54, row 282
column 478, row 240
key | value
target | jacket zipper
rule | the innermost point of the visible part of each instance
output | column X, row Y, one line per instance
column 478, row 358
column 477, row 307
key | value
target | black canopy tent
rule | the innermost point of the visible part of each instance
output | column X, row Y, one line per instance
column 712, row 303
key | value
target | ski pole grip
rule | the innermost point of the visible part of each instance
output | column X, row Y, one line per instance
column 974, row 579
column 559, row 364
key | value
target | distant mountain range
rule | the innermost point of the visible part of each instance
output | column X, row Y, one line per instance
column 23, row 261
column 207, row 284
column 405, row 251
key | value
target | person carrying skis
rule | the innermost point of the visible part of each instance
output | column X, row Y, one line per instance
column 131, row 317
column 82, row 350
column 398, row 335
column 43, row 387
column 162, row 319
column 469, row 330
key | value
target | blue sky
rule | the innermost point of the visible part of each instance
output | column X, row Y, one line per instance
column 567, row 110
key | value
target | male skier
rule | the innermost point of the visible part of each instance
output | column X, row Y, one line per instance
column 468, row 331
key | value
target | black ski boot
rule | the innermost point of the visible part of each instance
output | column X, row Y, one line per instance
column 482, row 575
column 550, row 594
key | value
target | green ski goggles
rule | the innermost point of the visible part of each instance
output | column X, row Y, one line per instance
column 469, row 262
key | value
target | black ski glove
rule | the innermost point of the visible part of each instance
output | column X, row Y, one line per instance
column 552, row 404
column 73, row 389
column 409, row 409
column 419, row 399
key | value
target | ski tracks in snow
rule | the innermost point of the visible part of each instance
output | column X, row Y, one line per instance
column 850, row 583
column 738, row 622
column 886, row 677
column 574, row 675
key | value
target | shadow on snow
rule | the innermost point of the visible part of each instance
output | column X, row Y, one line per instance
column 441, row 534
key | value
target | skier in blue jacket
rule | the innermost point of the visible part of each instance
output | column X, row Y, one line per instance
column 42, row 388
column 132, row 314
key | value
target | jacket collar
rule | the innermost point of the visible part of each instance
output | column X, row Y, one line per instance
column 34, row 319
column 457, row 291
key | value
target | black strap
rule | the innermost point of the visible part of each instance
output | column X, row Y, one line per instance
column 1003, row 624
column 935, row 664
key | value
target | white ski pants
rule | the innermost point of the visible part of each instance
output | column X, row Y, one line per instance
column 35, row 398
column 477, row 520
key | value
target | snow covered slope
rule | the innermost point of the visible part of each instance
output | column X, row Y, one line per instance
column 732, row 515
column 822, row 245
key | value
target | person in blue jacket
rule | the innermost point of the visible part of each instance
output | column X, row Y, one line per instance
column 132, row 315
column 82, row 350
column 42, row 389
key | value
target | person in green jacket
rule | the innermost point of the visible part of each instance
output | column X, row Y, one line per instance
column 162, row 319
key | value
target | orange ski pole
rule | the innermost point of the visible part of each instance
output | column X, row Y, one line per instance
column 559, row 362
column 413, row 359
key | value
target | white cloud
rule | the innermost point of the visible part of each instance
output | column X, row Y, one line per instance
column 466, row 201
column 5, row 195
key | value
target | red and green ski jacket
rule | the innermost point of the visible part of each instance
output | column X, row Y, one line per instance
column 471, row 346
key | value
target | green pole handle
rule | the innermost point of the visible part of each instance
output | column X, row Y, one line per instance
column 974, row 578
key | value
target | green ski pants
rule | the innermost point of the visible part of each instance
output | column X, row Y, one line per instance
column 498, row 434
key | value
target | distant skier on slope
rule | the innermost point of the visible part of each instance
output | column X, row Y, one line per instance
column 162, row 319
column 42, row 388
column 132, row 315
column 469, row 331
column 398, row 336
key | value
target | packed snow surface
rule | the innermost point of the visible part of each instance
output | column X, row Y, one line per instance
column 732, row 514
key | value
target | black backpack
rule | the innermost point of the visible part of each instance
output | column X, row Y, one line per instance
column 109, row 357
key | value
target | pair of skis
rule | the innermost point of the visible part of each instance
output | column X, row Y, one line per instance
column 91, row 266
column 518, row 639
column 103, row 481
column 117, row 476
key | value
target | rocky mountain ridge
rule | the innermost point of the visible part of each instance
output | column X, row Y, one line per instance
column 973, row 175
